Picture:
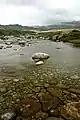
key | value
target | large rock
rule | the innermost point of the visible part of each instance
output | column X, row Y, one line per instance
column 29, row 107
column 40, row 56
column 49, row 102
column 71, row 111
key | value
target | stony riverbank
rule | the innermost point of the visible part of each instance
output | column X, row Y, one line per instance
column 39, row 99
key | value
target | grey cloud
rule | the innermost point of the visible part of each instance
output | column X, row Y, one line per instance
column 29, row 12
column 18, row 2
column 54, row 16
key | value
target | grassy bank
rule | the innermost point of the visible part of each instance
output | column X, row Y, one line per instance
column 76, row 42
column 71, row 36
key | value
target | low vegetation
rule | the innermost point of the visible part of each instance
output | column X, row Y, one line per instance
column 9, row 32
column 76, row 42
column 71, row 36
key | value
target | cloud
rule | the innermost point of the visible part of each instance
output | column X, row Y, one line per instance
column 38, row 12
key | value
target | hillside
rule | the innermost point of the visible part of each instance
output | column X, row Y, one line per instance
column 63, row 25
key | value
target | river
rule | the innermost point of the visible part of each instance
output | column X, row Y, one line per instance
column 63, row 64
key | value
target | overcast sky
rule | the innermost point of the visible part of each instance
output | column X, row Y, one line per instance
column 38, row 12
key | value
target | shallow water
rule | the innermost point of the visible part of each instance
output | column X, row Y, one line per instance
column 63, row 64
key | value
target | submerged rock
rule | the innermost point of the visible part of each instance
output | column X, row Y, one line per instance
column 41, row 115
column 49, row 102
column 75, row 77
column 1, row 47
column 8, row 43
column 9, row 46
column 3, row 89
column 16, row 80
column 21, row 42
column 29, row 107
column 58, row 48
column 39, row 63
column 15, row 49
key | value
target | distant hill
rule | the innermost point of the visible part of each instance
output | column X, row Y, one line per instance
column 16, row 27
column 63, row 25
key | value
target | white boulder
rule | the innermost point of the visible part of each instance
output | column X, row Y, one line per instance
column 40, row 56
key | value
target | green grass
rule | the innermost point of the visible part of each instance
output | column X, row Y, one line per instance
column 76, row 45
column 77, row 41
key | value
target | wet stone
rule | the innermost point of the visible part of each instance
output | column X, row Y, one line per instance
column 54, row 118
column 61, row 86
column 29, row 107
column 48, row 102
column 16, row 80
column 74, row 96
column 8, row 116
column 37, row 89
column 3, row 89
column 1, row 84
column 75, row 77
column 55, row 91
column 41, row 115
column 55, row 112
column 9, row 46
column 66, row 92
column 46, row 85
column 35, row 82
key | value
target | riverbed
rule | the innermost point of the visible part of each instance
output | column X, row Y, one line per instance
column 64, row 59
column 18, row 72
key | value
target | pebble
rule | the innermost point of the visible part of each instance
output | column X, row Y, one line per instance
column 7, row 116
column 16, row 80
column 75, row 77
column 1, row 84
column 46, row 85
column 36, row 82
column 41, row 115
column 54, row 118
column 3, row 89
column 73, row 95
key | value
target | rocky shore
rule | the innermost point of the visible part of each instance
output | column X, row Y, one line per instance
column 24, row 100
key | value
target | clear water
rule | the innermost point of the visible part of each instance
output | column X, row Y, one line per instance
column 63, row 64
